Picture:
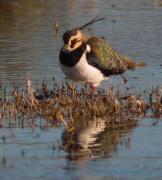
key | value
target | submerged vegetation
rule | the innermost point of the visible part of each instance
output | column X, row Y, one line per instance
column 69, row 105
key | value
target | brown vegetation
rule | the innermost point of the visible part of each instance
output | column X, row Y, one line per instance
column 67, row 104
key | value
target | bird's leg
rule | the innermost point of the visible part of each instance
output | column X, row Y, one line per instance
column 84, row 88
column 89, row 90
column 92, row 89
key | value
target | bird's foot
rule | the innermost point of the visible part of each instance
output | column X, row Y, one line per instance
column 89, row 89
column 92, row 89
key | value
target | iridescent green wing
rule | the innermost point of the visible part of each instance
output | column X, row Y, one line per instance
column 105, row 58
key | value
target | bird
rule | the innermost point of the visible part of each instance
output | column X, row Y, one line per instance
column 91, row 59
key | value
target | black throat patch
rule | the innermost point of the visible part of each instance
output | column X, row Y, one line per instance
column 70, row 59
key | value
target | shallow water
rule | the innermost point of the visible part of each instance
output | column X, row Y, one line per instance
column 29, row 43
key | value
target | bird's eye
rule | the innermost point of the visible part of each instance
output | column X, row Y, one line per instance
column 73, row 43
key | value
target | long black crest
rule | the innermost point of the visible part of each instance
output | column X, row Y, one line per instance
column 95, row 19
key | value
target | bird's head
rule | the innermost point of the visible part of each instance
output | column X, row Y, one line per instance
column 73, row 39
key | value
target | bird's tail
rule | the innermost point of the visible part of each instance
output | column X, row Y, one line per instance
column 134, row 65
column 140, row 64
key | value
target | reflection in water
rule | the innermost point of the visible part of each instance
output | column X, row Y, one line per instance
column 94, row 139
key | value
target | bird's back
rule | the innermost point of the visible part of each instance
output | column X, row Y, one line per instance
column 104, row 57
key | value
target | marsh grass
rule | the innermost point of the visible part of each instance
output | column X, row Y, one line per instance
column 68, row 105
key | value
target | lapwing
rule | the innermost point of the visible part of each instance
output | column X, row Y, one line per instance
column 91, row 59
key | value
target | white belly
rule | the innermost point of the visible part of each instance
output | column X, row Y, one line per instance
column 82, row 71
